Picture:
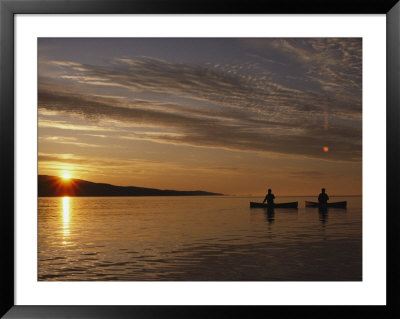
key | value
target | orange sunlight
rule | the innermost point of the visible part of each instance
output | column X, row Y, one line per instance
column 66, row 176
column 65, row 217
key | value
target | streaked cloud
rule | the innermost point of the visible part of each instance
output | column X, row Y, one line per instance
column 68, row 140
column 237, row 131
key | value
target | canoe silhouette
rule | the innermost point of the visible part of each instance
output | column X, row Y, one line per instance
column 275, row 205
column 333, row 205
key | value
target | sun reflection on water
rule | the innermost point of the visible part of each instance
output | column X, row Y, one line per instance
column 66, row 217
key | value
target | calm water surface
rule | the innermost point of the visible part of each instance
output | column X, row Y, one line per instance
column 195, row 239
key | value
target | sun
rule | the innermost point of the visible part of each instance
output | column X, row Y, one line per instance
column 66, row 176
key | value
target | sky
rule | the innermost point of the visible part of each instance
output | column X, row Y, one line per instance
column 229, row 115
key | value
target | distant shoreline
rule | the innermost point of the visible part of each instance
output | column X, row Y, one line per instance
column 53, row 186
column 61, row 196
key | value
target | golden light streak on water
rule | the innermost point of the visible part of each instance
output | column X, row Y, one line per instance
column 66, row 218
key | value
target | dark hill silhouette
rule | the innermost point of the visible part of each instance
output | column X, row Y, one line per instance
column 50, row 186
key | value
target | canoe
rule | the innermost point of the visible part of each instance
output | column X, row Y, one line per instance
column 333, row 205
column 276, row 205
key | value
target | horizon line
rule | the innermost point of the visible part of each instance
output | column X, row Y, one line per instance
column 219, row 194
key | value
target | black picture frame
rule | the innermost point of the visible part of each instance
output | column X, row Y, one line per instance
column 9, row 8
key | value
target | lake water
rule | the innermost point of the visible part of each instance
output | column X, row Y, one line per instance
column 196, row 239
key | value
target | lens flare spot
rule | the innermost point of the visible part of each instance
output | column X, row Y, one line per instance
column 325, row 149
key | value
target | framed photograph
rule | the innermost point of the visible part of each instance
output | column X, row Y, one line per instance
column 166, row 159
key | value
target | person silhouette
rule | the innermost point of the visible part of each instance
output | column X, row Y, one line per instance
column 269, row 198
column 323, row 197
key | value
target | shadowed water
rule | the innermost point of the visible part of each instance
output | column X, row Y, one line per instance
column 195, row 239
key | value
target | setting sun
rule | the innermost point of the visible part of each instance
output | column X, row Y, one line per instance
column 66, row 175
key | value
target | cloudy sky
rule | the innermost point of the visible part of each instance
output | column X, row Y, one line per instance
column 234, row 116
